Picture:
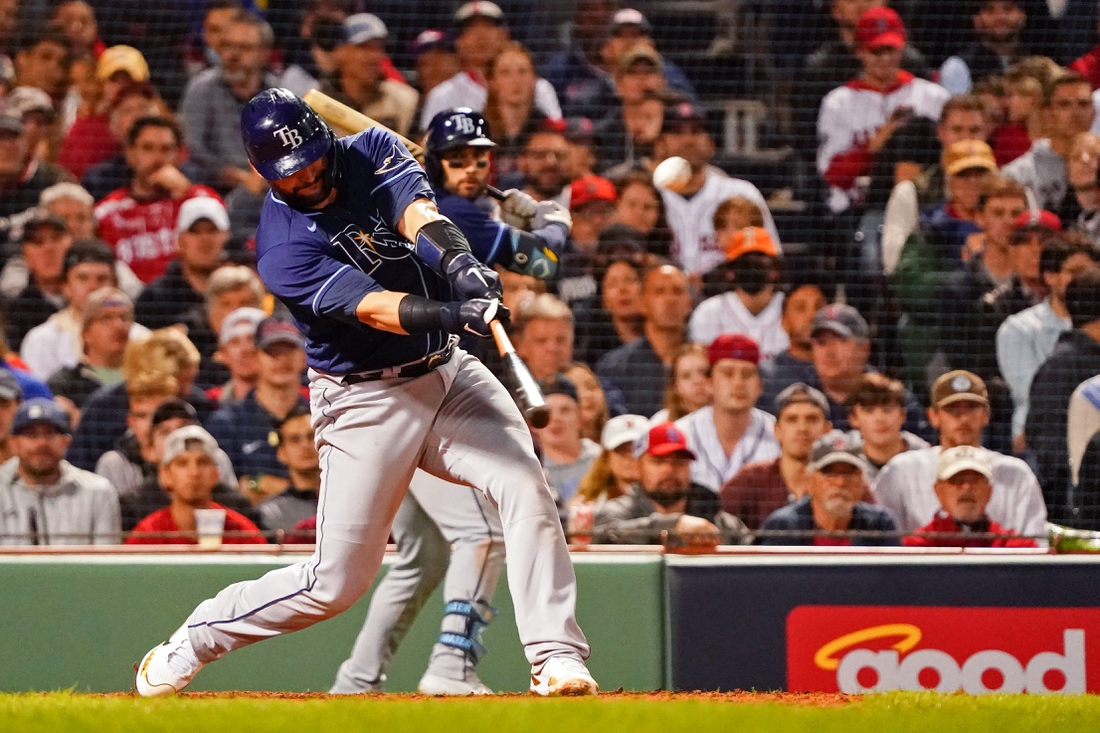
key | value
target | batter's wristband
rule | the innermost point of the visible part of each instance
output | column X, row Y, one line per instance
column 438, row 241
column 420, row 315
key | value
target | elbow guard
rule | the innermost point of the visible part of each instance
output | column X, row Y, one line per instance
column 438, row 241
column 534, row 256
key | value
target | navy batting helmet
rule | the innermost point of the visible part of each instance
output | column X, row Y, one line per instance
column 282, row 134
column 453, row 128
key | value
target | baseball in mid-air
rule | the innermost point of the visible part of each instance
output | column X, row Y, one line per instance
column 672, row 173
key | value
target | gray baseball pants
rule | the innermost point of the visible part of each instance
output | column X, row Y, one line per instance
column 458, row 423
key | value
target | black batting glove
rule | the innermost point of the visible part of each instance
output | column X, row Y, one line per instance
column 473, row 316
column 472, row 279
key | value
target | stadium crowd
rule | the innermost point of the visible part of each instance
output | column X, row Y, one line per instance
column 899, row 344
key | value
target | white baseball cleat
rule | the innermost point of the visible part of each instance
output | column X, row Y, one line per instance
column 566, row 676
column 434, row 684
column 168, row 667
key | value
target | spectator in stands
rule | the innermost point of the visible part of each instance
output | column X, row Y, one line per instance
column 106, row 323
column 583, row 87
column 1083, row 444
column 592, row 205
column 436, row 61
column 23, row 175
column 616, row 468
column 960, row 411
column 761, row 487
column 210, row 110
column 833, row 506
column 833, row 63
column 36, row 110
column 730, row 432
column 796, row 363
column 43, row 62
column 360, row 80
column 665, row 499
column 877, row 414
column 73, row 204
column 299, row 454
column 1023, row 121
column 519, row 289
column 754, row 308
column 619, row 319
column 162, row 355
column 230, row 287
column 45, row 499
column 639, row 369
column 1076, row 358
column 1068, row 110
column 11, row 395
column 45, row 242
column 688, row 387
column 1026, row 339
column 130, row 104
column 630, row 30
column 139, row 220
column 964, row 485
column 88, row 265
column 690, row 211
column 237, row 352
column 188, row 473
column 244, row 428
column 566, row 454
column 543, row 332
column 542, row 166
column 76, row 19
column 217, row 16
column 482, row 33
column 639, row 207
column 202, row 229
column 510, row 104
column 1082, row 174
column 627, row 131
column 591, row 400
column 999, row 25
column 858, row 118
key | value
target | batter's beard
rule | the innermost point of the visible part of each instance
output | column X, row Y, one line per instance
column 308, row 202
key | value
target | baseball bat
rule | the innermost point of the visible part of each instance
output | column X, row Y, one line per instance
column 526, row 389
column 527, row 392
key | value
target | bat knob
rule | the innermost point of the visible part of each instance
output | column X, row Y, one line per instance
column 538, row 417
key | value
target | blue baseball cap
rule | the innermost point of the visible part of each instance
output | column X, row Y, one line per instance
column 40, row 410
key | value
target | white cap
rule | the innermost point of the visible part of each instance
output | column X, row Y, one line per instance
column 963, row 458
column 241, row 322
column 190, row 437
column 202, row 207
column 363, row 27
column 479, row 9
column 622, row 429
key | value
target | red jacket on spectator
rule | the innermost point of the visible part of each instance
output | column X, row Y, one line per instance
column 162, row 521
column 143, row 233
column 943, row 523
column 89, row 141
column 1088, row 66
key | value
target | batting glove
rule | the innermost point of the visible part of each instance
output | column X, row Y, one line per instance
column 517, row 209
column 471, row 278
column 473, row 316
column 551, row 212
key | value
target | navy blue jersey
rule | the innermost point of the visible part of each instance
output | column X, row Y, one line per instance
column 490, row 240
column 322, row 263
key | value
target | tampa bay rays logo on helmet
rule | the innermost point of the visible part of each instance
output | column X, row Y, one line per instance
column 282, row 134
column 453, row 128
column 288, row 137
column 462, row 124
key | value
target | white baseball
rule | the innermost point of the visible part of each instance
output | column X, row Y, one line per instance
column 672, row 173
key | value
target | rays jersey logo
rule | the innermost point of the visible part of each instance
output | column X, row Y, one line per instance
column 395, row 160
column 369, row 250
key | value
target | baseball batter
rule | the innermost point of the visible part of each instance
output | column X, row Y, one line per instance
column 439, row 522
column 351, row 241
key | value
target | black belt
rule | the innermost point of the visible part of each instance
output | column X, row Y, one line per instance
column 417, row 368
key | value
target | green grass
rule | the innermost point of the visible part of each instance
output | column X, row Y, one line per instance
column 923, row 712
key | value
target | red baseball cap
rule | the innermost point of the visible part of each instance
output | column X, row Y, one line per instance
column 880, row 28
column 662, row 439
column 1041, row 219
column 733, row 346
column 587, row 189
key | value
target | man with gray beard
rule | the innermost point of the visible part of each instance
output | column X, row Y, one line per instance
column 832, row 511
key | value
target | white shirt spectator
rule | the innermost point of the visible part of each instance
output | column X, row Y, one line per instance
column 1083, row 422
column 80, row 509
column 59, row 343
column 712, row 468
column 904, row 486
column 1043, row 172
column 726, row 313
column 694, row 244
column 1024, row 341
column 462, row 90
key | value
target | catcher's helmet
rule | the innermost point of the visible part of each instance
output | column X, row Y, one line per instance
column 282, row 134
column 453, row 128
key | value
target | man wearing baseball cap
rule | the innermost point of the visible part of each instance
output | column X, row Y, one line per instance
column 665, row 499
column 857, row 119
column 758, row 489
column 730, row 432
column 237, row 352
column 11, row 395
column 248, row 430
column 754, row 308
column 833, row 507
column 964, row 484
column 47, row 500
column 959, row 412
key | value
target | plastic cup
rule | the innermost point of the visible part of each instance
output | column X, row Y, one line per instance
column 210, row 524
